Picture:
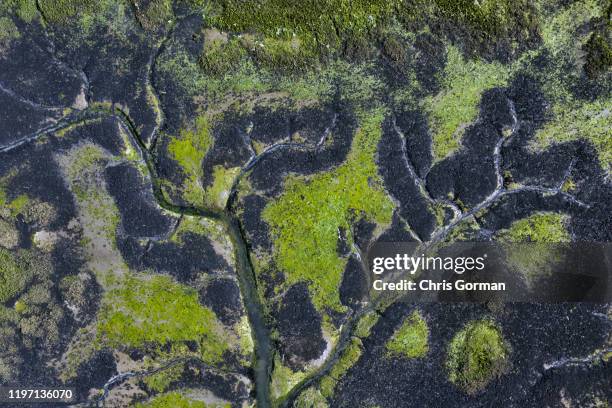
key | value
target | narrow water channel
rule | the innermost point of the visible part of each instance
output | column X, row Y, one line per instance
column 244, row 270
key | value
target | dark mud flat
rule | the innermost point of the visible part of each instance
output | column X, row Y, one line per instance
column 555, row 331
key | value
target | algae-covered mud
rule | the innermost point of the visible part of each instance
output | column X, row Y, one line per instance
column 189, row 190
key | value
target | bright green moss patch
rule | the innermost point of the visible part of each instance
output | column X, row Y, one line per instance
column 411, row 340
column 155, row 310
column 176, row 400
column 13, row 207
column 8, row 32
column 283, row 379
column 24, row 9
column 245, row 339
column 183, row 71
column 189, row 149
column 530, row 245
column 563, row 37
column 569, row 185
column 160, row 381
column 201, row 226
column 217, row 194
column 222, row 56
column 590, row 121
column 476, row 355
column 19, row 204
column 365, row 324
column 565, row 42
column 540, row 227
column 348, row 359
column 456, row 106
column 306, row 218
column 61, row 11
column 311, row 398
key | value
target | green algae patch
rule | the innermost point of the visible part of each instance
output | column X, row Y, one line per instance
column 154, row 13
column 176, row 400
column 161, row 381
column 24, row 9
column 156, row 311
column 306, row 218
column 283, row 379
column 188, row 150
column 201, row 226
column 591, row 121
column 14, row 207
column 8, row 32
column 311, row 398
column 365, row 324
column 540, row 227
column 530, row 244
column 218, row 193
column 411, row 340
column 62, row 11
column 476, row 355
column 349, row 357
column 14, row 275
column 457, row 104
column 565, row 42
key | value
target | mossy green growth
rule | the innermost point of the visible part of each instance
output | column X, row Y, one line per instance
column 19, row 204
column 61, row 11
column 457, row 104
column 24, row 9
column 283, row 379
column 201, row 226
column 569, row 185
column 13, row 207
column 411, row 340
column 160, row 381
column 476, row 355
column 539, row 227
column 529, row 244
column 317, row 25
column 305, row 219
column 365, row 324
column 8, row 32
column 14, row 275
column 182, row 70
column 349, row 357
column 222, row 56
column 176, row 400
column 156, row 311
column 311, row 398
column 217, row 194
column 189, row 150
column 154, row 13
column 581, row 120
column 246, row 344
